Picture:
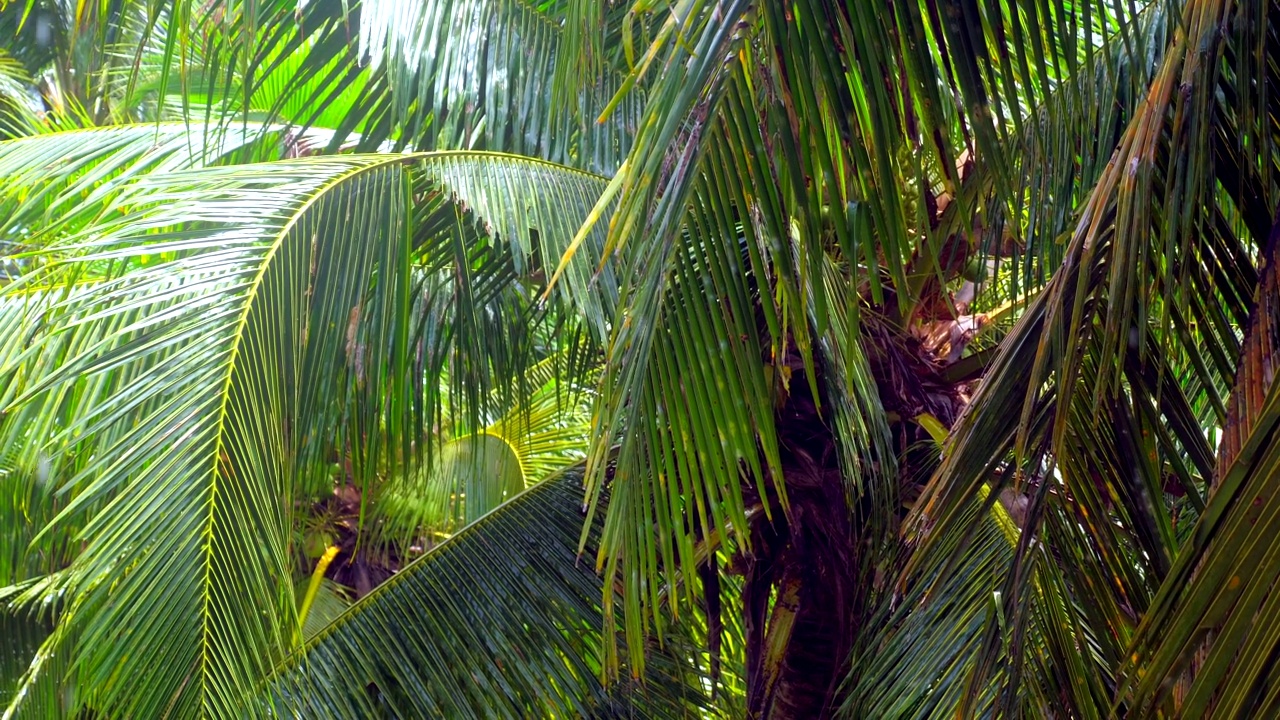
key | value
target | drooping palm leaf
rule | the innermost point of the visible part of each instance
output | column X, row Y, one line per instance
column 772, row 141
column 1202, row 621
column 1098, row 404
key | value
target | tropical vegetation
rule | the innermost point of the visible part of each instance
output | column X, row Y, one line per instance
column 706, row 358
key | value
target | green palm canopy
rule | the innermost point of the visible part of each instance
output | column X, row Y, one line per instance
column 493, row 358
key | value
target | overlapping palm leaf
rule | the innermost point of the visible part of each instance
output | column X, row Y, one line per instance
column 54, row 186
column 500, row 620
column 201, row 421
column 1203, row 621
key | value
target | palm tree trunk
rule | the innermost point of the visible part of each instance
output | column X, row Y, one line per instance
column 800, row 592
column 805, row 583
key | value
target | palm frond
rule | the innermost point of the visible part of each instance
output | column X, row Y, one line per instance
column 1098, row 404
column 240, row 322
column 535, row 209
column 684, row 361
column 189, row 456
column 1202, row 620
column 20, row 109
column 1221, row 584
column 500, row 620
column 769, row 142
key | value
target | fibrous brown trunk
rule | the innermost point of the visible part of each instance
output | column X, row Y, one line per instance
column 805, row 590
column 800, row 589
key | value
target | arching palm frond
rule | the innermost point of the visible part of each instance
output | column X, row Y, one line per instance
column 204, row 423
column 500, row 620
column 237, row 323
